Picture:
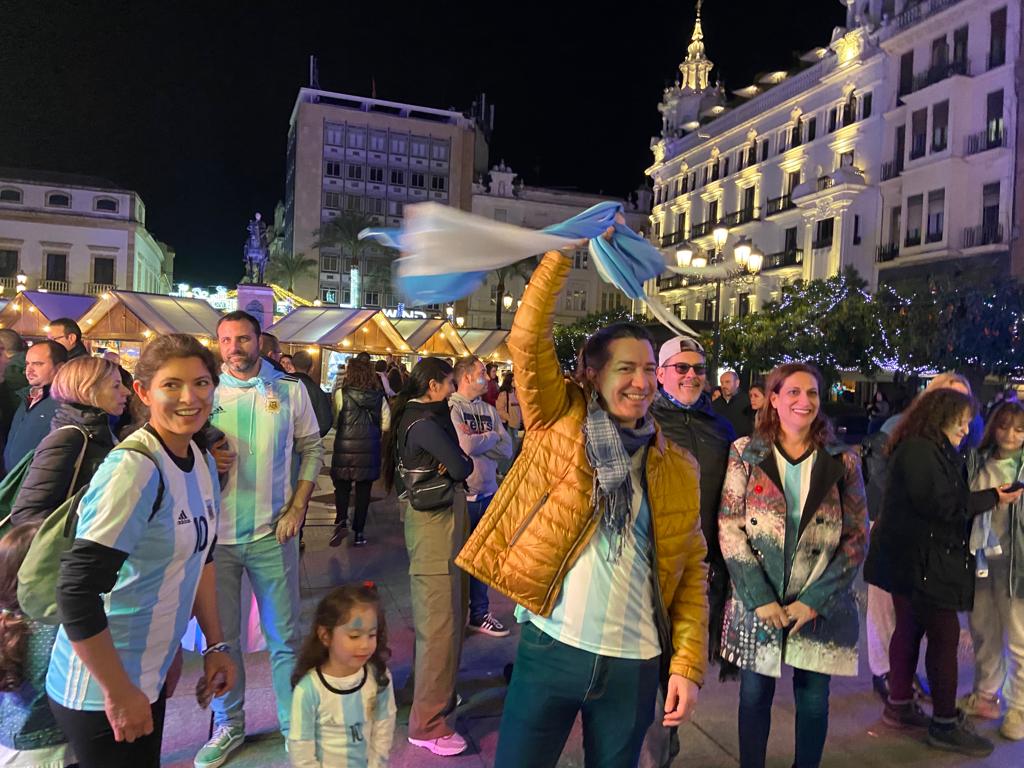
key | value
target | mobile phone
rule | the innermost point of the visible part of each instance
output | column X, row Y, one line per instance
column 1014, row 487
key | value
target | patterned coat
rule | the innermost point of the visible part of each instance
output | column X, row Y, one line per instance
column 831, row 546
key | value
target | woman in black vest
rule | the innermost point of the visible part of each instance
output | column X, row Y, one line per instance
column 363, row 415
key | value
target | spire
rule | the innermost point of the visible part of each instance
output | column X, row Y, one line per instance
column 696, row 68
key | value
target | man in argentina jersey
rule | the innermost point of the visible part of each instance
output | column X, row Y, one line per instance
column 156, row 581
column 270, row 425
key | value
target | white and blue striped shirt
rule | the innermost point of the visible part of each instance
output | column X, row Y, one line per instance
column 167, row 547
column 608, row 607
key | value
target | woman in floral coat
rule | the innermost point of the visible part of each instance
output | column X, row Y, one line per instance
column 793, row 532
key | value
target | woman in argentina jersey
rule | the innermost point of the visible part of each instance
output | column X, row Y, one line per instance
column 140, row 565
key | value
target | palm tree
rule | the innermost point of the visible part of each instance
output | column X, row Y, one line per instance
column 342, row 232
column 285, row 268
column 505, row 275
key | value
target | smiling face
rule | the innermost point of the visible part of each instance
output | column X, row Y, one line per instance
column 628, row 381
column 797, row 403
column 350, row 645
column 684, row 387
column 1009, row 434
column 240, row 347
column 179, row 397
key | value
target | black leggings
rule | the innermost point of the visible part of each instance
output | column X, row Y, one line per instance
column 342, row 489
column 92, row 738
column 942, row 628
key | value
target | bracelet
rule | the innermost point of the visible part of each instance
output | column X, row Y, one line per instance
column 218, row 648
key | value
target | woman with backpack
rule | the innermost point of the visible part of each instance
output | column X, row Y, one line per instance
column 793, row 530
column 424, row 445
column 90, row 391
column 363, row 416
column 141, row 564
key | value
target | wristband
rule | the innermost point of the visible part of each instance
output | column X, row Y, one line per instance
column 218, row 648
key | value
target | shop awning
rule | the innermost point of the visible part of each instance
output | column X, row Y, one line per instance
column 30, row 312
column 432, row 337
column 341, row 328
column 488, row 345
column 131, row 316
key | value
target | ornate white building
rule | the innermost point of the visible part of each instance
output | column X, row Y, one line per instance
column 68, row 233
column 506, row 199
column 890, row 150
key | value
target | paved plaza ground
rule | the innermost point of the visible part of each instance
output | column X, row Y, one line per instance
column 857, row 738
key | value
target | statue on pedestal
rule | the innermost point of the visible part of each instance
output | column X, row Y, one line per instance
column 256, row 250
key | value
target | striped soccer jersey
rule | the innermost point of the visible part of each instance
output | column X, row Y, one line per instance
column 343, row 722
column 167, row 548
column 262, row 418
column 796, row 481
column 607, row 607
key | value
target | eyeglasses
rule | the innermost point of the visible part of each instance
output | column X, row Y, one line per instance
column 684, row 368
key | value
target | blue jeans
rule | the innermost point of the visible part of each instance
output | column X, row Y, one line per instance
column 479, row 605
column 273, row 570
column 810, row 690
column 552, row 682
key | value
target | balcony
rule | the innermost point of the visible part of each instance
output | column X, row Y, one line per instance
column 98, row 289
column 743, row 216
column 920, row 11
column 913, row 239
column 986, row 140
column 670, row 239
column 887, row 252
column 54, row 286
column 933, row 237
column 702, row 229
column 823, row 244
column 892, row 169
column 791, row 257
column 986, row 234
column 824, row 182
column 8, row 283
column 939, row 72
column 780, row 204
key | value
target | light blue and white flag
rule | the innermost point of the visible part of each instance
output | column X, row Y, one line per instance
column 448, row 253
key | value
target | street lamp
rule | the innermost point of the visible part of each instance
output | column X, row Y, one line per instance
column 449, row 311
column 22, row 280
column 507, row 301
column 684, row 255
column 720, row 234
column 460, row 321
column 755, row 260
column 742, row 251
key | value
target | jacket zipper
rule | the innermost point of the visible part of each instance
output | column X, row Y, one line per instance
column 661, row 613
column 560, row 575
column 528, row 518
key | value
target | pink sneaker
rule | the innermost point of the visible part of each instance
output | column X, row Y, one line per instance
column 445, row 746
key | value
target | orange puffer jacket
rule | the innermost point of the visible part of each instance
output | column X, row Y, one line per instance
column 542, row 517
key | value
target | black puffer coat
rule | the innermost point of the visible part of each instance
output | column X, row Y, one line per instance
column 919, row 544
column 48, row 482
column 357, row 439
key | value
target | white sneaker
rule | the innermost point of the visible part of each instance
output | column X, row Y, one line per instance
column 1013, row 725
column 445, row 746
column 225, row 740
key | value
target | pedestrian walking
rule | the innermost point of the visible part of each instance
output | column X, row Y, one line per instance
column 793, row 532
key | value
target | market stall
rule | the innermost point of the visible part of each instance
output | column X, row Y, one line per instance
column 491, row 346
column 333, row 334
column 31, row 312
column 432, row 337
column 124, row 320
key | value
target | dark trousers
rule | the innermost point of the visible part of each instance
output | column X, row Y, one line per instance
column 479, row 605
column 342, row 489
column 942, row 628
column 92, row 738
column 552, row 682
column 810, row 690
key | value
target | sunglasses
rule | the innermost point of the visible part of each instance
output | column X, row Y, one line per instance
column 684, row 368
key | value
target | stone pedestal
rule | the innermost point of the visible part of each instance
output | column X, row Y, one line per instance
column 258, row 301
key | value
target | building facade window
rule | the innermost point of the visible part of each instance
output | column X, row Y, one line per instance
column 812, row 128
column 823, row 230
column 355, row 172
column 57, row 267
column 332, row 200
column 376, row 175
column 353, row 203
column 334, row 135
column 356, row 138
column 10, row 195
column 846, row 159
column 865, row 106
column 918, row 133
column 915, row 210
column 58, row 200
column 106, row 205
column 936, row 215
column 8, row 262
column 417, row 180
column 940, row 126
column 371, row 298
column 398, row 145
column 960, row 48
column 906, row 74
column 395, row 208
column 439, row 183
column 994, row 117
column 418, row 148
column 375, row 205
column 580, row 258
column 328, row 295
column 332, row 168
column 576, row 299
column 397, row 177
column 378, row 142
column 103, row 271
column 329, row 263
column 439, row 152
column 997, row 39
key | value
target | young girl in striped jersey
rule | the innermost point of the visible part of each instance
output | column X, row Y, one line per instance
column 343, row 707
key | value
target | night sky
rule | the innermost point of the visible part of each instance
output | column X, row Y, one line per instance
column 188, row 103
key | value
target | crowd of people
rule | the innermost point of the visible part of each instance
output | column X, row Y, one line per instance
column 645, row 523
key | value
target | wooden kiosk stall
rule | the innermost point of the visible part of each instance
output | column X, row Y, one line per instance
column 432, row 337
column 124, row 320
column 332, row 334
column 31, row 312
column 491, row 346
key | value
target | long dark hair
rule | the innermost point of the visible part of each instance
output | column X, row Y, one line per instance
column 507, row 382
column 930, row 413
column 425, row 371
column 768, row 426
column 334, row 611
column 1002, row 416
column 360, row 375
column 13, row 624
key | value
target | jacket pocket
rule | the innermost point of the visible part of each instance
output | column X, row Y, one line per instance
column 529, row 517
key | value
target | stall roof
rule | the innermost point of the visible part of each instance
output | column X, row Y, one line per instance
column 432, row 337
column 127, row 315
column 487, row 343
column 341, row 328
column 29, row 312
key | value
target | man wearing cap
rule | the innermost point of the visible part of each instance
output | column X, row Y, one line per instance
column 683, row 411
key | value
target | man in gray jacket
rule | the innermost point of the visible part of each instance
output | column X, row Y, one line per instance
column 484, row 439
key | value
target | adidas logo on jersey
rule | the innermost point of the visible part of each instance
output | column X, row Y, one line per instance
column 183, row 519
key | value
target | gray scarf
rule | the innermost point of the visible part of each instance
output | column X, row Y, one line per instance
column 609, row 448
